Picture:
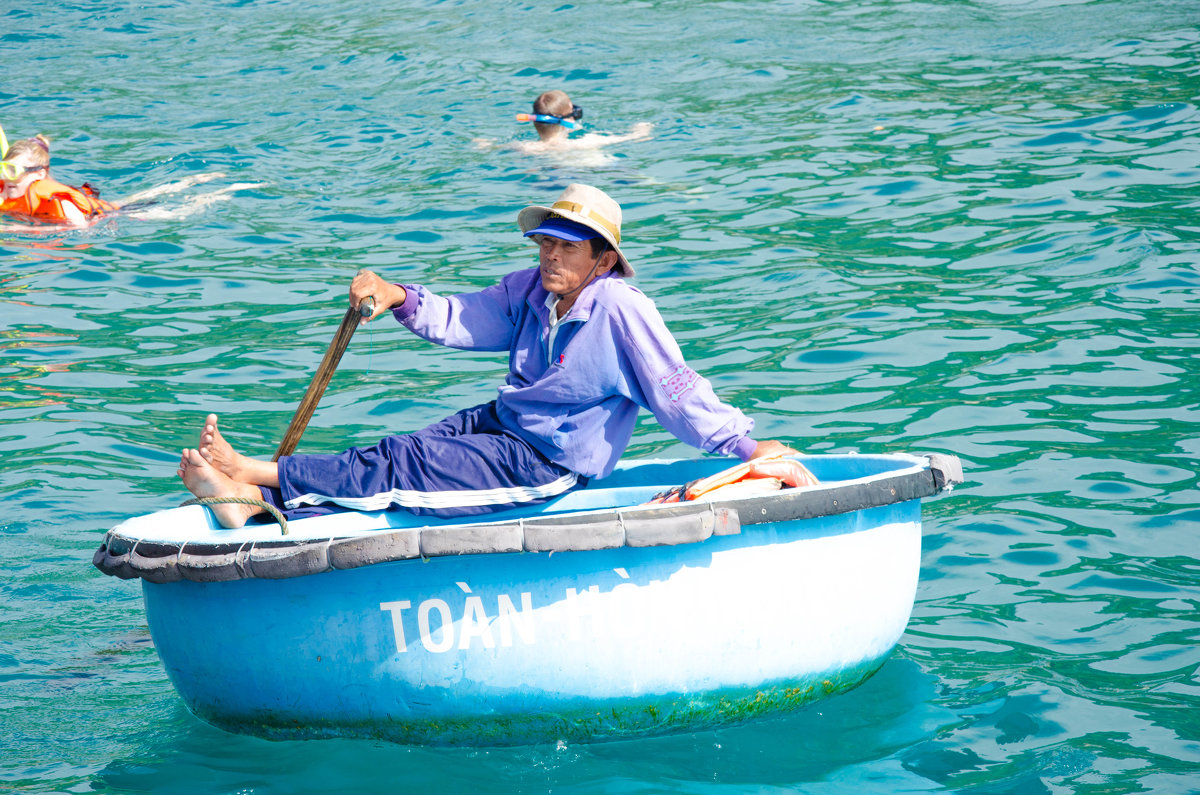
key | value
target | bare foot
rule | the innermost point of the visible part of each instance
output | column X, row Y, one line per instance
column 218, row 452
column 203, row 480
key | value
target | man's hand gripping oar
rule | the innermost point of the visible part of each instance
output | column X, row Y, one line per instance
column 370, row 296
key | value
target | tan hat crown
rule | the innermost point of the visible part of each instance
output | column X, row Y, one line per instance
column 585, row 205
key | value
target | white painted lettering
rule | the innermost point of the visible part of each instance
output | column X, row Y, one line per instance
column 510, row 618
column 437, row 628
column 446, row 642
column 475, row 625
column 397, row 610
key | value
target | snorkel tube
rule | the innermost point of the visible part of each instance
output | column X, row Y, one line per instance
column 543, row 118
column 5, row 169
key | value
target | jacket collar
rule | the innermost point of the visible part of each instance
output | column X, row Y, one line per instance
column 580, row 310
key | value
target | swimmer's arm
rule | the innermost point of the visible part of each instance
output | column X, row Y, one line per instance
column 73, row 215
column 639, row 132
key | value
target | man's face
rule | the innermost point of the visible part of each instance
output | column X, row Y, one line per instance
column 566, row 265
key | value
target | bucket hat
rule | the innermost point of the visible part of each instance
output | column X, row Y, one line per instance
column 584, row 205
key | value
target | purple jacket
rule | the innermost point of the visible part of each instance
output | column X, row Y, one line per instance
column 574, row 395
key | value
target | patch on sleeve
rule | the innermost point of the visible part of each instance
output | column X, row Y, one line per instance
column 676, row 383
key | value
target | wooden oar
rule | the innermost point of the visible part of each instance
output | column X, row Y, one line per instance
column 312, row 397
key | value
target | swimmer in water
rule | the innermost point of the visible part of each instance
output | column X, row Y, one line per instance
column 554, row 118
column 28, row 192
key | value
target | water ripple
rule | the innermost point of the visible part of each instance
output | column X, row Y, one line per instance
column 878, row 226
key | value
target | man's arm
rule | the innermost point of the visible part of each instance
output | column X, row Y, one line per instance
column 480, row 321
column 682, row 400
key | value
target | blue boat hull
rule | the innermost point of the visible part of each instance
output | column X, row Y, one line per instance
column 524, row 648
column 533, row 646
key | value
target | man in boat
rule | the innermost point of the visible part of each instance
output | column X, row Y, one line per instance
column 27, row 192
column 586, row 351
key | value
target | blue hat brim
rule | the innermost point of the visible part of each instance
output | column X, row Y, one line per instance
column 564, row 229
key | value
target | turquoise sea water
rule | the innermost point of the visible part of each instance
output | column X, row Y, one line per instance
column 946, row 226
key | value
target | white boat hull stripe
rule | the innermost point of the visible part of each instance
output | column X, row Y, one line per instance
column 406, row 498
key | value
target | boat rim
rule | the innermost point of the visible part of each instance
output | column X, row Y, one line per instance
column 252, row 555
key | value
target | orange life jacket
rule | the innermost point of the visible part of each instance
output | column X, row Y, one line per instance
column 43, row 201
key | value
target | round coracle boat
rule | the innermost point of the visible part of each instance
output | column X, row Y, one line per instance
column 597, row 616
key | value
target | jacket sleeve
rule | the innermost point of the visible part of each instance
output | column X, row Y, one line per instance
column 681, row 399
column 481, row 321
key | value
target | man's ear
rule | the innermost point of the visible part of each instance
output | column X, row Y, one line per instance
column 608, row 260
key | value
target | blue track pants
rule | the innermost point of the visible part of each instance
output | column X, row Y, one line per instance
column 467, row 464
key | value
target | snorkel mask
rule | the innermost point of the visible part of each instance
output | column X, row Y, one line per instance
column 10, row 171
column 568, row 121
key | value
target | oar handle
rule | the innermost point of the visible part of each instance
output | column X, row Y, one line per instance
column 329, row 364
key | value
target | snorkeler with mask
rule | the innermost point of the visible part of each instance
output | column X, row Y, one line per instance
column 27, row 192
column 555, row 117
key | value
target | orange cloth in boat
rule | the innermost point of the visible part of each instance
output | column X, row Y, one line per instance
column 44, row 199
column 777, row 471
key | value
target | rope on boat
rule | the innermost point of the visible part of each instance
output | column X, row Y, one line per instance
column 266, row 506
